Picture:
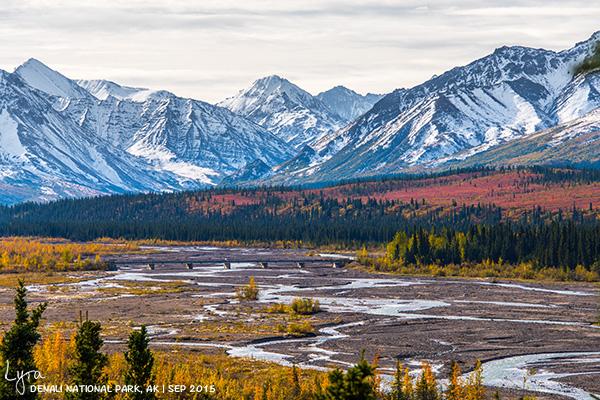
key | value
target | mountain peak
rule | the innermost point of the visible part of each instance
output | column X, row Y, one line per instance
column 595, row 37
column 103, row 89
column 346, row 102
column 340, row 89
column 508, row 50
column 265, row 90
column 272, row 78
column 291, row 113
column 41, row 77
column 275, row 84
column 33, row 62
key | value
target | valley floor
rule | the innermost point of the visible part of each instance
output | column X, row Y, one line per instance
column 518, row 330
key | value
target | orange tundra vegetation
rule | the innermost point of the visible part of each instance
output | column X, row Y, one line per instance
column 518, row 190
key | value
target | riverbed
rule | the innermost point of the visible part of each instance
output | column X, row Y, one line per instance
column 531, row 336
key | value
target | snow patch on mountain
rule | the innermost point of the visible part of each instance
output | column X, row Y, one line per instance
column 291, row 113
column 347, row 103
column 164, row 160
column 39, row 76
column 10, row 144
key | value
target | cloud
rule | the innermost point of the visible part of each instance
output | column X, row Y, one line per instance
column 208, row 49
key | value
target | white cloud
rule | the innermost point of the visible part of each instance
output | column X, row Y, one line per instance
column 209, row 49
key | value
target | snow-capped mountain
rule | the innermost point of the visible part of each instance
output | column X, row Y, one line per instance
column 573, row 143
column 509, row 94
column 294, row 115
column 187, row 137
column 57, row 139
column 39, row 76
column 347, row 103
column 44, row 155
column 63, row 138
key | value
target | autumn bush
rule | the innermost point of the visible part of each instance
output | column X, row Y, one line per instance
column 248, row 292
column 299, row 329
column 485, row 269
column 305, row 306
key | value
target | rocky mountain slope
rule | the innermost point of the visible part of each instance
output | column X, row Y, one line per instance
column 294, row 115
column 57, row 139
column 347, row 103
column 512, row 93
column 573, row 143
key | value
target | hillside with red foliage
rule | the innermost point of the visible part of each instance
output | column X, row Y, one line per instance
column 516, row 190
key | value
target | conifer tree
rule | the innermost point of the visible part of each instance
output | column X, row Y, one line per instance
column 408, row 385
column 17, row 347
column 88, row 368
column 398, row 390
column 455, row 390
column 426, row 385
column 475, row 389
column 356, row 384
column 140, row 362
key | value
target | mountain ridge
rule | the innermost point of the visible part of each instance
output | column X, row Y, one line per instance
column 153, row 142
column 65, row 138
column 513, row 92
column 291, row 113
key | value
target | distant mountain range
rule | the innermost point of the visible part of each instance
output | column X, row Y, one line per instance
column 505, row 96
column 61, row 137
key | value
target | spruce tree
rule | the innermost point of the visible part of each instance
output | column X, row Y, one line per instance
column 358, row 383
column 140, row 362
column 88, row 368
column 426, row 388
column 398, row 392
column 17, row 346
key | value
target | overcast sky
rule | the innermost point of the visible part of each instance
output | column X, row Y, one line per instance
column 209, row 49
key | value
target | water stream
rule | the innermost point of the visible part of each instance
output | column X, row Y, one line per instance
column 508, row 372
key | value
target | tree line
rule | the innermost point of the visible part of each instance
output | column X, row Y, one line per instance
column 557, row 244
column 314, row 219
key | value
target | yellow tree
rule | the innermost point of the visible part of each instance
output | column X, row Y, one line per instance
column 408, row 386
column 426, row 385
column 475, row 389
column 455, row 390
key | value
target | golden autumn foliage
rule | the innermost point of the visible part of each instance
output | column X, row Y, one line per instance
column 456, row 387
column 39, row 254
column 245, row 379
column 248, row 292
column 485, row 269
column 232, row 378
column 426, row 387
column 474, row 389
